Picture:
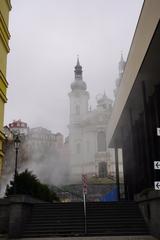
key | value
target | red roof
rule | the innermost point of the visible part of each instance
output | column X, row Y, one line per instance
column 18, row 124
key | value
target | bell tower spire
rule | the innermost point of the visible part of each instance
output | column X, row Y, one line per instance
column 78, row 60
column 78, row 83
column 121, row 65
column 78, row 70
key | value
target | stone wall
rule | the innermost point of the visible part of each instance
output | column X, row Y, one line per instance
column 15, row 211
column 4, row 215
column 149, row 202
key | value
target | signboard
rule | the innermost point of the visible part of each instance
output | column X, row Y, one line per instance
column 84, row 182
column 157, row 185
column 157, row 165
column 158, row 131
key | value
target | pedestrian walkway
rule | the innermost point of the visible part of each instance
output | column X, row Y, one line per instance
column 96, row 238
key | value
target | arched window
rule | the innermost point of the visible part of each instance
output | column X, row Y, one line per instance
column 77, row 109
column 101, row 141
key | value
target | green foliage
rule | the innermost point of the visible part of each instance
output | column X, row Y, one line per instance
column 28, row 183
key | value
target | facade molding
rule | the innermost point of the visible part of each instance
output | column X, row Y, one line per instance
column 1, row 155
column 2, row 136
column 4, row 26
column 5, row 42
column 3, row 97
column 3, row 79
column 9, row 4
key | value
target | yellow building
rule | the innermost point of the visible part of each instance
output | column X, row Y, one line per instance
column 5, row 7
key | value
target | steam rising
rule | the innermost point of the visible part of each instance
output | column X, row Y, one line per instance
column 43, row 153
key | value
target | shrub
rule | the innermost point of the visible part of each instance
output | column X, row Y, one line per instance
column 28, row 183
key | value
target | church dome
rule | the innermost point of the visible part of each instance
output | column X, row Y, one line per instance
column 78, row 85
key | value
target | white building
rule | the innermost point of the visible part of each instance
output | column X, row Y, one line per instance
column 87, row 132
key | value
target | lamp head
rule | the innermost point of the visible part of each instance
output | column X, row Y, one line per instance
column 17, row 142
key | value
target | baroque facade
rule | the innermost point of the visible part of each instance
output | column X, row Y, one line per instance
column 5, row 7
column 87, row 132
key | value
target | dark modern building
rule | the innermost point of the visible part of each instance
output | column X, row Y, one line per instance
column 136, row 114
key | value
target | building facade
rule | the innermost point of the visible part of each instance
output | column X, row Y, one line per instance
column 135, row 121
column 5, row 7
column 87, row 131
column 19, row 127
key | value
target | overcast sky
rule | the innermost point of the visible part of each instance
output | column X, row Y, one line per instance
column 46, row 36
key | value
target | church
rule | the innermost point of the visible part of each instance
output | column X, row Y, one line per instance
column 87, row 132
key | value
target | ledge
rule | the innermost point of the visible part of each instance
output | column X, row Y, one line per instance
column 1, row 153
column 150, row 195
column 2, row 136
column 22, row 198
column 4, row 42
column 9, row 4
column 2, row 77
column 2, row 96
column 4, row 26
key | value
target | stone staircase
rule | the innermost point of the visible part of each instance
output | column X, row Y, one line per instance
column 67, row 219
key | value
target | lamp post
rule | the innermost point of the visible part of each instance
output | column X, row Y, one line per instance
column 16, row 146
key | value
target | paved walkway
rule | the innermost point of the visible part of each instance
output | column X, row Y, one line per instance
column 96, row 238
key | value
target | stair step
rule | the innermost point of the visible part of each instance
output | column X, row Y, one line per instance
column 67, row 219
column 92, row 221
column 56, row 218
column 53, row 235
column 93, row 229
column 54, row 230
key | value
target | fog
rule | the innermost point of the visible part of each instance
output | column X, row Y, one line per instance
column 43, row 159
column 46, row 36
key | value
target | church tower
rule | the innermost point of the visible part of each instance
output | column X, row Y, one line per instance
column 78, row 96
column 78, row 110
column 121, row 64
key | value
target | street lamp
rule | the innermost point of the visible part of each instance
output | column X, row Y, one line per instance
column 16, row 146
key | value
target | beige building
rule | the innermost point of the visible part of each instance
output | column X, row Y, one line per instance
column 5, row 7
